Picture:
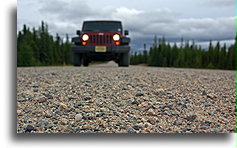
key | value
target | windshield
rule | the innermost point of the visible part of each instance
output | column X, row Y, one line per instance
column 102, row 26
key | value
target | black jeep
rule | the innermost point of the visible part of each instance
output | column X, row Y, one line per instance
column 101, row 41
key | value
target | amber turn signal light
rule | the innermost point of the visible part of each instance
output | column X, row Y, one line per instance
column 117, row 43
column 83, row 43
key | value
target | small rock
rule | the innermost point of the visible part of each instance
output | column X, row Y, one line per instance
column 48, row 114
column 207, row 105
column 42, row 123
column 87, row 98
column 29, row 128
column 80, row 103
column 18, row 111
column 204, row 92
column 135, row 102
column 204, row 127
column 103, row 110
column 53, row 73
column 48, row 96
column 191, row 117
column 139, row 94
column 151, row 121
column 63, row 106
column 213, row 112
column 151, row 112
column 78, row 117
column 35, row 90
column 143, row 104
column 50, row 126
column 211, row 96
column 86, row 127
column 100, row 114
column 42, row 99
column 64, row 121
column 136, row 127
column 131, row 130
column 176, row 123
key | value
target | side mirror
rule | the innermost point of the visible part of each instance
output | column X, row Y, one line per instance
column 126, row 32
column 78, row 32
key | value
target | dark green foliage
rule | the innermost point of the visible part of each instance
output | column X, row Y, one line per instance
column 37, row 47
column 187, row 55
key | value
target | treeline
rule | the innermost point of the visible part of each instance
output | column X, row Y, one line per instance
column 37, row 47
column 187, row 55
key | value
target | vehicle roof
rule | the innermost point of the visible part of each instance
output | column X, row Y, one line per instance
column 102, row 21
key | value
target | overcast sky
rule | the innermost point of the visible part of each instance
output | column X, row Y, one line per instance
column 201, row 20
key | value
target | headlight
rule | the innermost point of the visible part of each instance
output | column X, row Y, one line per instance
column 85, row 37
column 116, row 37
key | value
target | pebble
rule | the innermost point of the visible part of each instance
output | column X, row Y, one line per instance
column 152, row 121
column 29, row 128
column 136, row 127
column 64, row 121
column 143, row 104
column 191, row 117
column 63, row 106
column 78, row 117
column 18, row 111
column 139, row 94
column 213, row 112
column 42, row 99
column 135, row 102
column 112, row 99
column 42, row 123
column 151, row 112
column 87, row 98
column 48, row 96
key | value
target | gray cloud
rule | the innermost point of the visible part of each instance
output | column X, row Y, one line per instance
column 220, row 3
column 67, row 16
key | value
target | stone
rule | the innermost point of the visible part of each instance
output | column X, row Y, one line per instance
column 35, row 89
column 100, row 114
column 151, row 112
column 42, row 99
column 48, row 114
column 53, row 73
column 42, row 123
column 29, row 128
column 152, row 121
column 143, row 104
column 213, row 112
column 86, row 127
column 191, row 117
column 204, row 92
column 18, row 111
column 80, row 103
column 86, row 98
column 139, row 94
column 63, row 106
column 64, row 121
column 135, row 102
column 78, row 117
column 48, row 96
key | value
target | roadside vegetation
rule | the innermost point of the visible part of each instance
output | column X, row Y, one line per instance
column 162, row 54
column 37, row 47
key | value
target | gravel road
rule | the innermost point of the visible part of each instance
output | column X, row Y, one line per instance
column 105, row 98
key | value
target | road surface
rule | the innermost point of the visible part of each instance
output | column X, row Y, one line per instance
column 106, row 98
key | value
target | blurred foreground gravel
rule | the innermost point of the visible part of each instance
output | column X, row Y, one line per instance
column 109, row 99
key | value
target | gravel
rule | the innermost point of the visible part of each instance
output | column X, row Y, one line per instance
column 105, row 98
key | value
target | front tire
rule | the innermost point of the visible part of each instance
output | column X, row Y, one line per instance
column 85, row 62
column 124, row 60
column 76, row 59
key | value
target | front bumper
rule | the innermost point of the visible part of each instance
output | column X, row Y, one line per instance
column 91, row 49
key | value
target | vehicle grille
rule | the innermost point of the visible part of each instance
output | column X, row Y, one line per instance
column 100, row 39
